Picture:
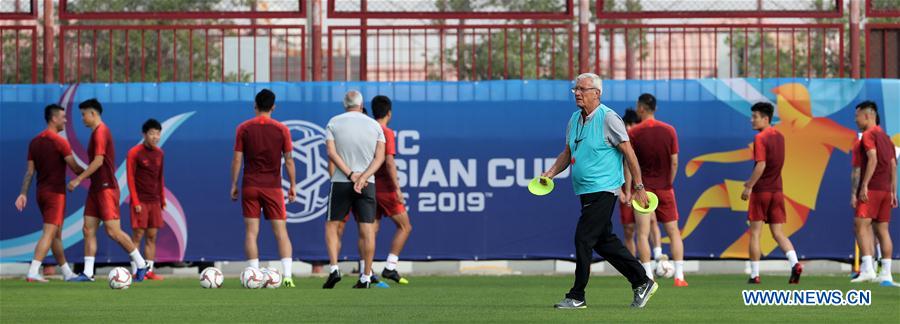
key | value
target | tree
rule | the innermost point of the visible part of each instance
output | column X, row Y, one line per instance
column 174, row 48
column 544, row 53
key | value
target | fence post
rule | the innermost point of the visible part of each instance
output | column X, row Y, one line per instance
column 854, row 39
column 48, row 41
column 584, row 18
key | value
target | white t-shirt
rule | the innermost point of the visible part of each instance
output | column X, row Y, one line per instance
column 355, row 136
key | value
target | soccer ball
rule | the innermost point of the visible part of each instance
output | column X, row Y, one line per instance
column 252, row 278
column 119, row 278
column 665, row 269
column 211, row 278
column 271, row 277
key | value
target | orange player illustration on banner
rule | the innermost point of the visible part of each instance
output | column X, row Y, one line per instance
column 809, row 142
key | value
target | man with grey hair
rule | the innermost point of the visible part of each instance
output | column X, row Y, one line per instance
column 355, row 145
column 596, row 142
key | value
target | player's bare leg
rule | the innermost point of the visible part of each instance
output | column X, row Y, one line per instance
column 333, row 232
column 40, row 252
column 628, row 232
column 404, row 228
column 115, row 232
column 655, row 239
column 755, row 254
column 676, row 246
column 366, row 250
column 866, row 241
column 887, row 249
column 137, row 234
column 285, row 251
column 785, row 243
column 89, row 230
column 642, row 225
column 60, row 255
column 251, row 234
column 150, row 253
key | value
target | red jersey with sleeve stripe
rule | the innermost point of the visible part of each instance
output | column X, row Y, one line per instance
column 768, row 146
column 48, row 150
column 263, row 141
column 145, row 174
column 383, row 181
column 875, row 139
column 654, row 144
column 102, row 144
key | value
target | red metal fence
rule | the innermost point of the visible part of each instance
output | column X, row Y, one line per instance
column 883, row 56
column 18, row 54
column 661, row 51
column 138, row 53
column 387, row 40
column 450, row 52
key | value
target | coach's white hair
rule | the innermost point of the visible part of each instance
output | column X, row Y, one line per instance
column 595, row 79
column 353, row 99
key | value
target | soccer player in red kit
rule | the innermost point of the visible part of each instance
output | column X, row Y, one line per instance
column 875, row 195
column 103, row 196
column 388, row 196
column 656, row 147
column 260, row 144
column 48, row 155
column 146, row 186
column 764, row 190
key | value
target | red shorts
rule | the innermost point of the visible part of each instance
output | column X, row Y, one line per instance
column 878, row 208
column 53, row 206
column 269, row 200
column 667, row 211
column 103, row 204
column 626, row 214
column 388, row 204
column 767, row 207
column 149, row 217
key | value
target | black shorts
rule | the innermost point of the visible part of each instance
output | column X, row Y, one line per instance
column 344, row 199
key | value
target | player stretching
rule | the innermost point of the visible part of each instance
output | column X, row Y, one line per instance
column 260, row 144
column 875, row 195
column 48, row 154
column 103, row 195
column 145, row 185
column 765, row 191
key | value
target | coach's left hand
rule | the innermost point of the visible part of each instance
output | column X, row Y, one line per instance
column 641, row 197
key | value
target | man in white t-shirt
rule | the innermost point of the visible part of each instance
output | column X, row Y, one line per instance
column 356, row 147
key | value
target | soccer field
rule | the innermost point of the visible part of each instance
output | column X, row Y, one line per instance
column 457, row 299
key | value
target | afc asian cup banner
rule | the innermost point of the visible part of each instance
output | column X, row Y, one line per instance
column 465, row 154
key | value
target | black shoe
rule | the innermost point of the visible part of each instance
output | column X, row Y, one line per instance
column 643, row 293
column 796, row 270
column 333, row 279
column 393, row 275
column 753, row 280
column 374, row 280
column 361, row 285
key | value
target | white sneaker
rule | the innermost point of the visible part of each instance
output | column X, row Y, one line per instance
column 864, row 277
column 883, row 278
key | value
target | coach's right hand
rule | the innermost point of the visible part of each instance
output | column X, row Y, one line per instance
column 21, row 200
column 234, row 192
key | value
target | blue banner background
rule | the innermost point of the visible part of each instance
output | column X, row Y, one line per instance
column 451, row 135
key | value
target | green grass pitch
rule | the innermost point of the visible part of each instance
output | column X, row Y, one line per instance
column 710, row 298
